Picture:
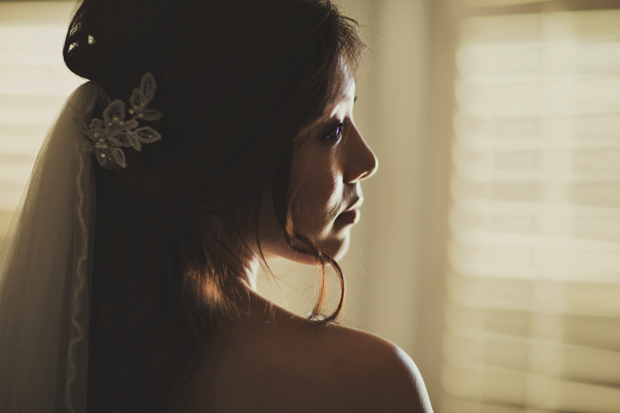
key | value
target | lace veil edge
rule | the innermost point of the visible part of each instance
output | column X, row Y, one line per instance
column 45, row 282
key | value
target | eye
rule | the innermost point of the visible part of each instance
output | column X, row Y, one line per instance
column 335, row 133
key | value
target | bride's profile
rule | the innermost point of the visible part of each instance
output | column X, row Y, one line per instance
column 211, row 136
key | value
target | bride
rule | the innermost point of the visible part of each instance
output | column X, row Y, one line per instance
column 211, row 137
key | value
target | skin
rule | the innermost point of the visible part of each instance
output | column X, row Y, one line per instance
column 271, row 360
column 325, row 182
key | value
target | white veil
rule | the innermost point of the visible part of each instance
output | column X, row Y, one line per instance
column 45, row 284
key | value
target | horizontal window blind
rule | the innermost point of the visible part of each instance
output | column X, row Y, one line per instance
column 34, row 83
column 533, row 316
column 497, row 3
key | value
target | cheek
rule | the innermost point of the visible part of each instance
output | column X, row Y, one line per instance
column 319, row 199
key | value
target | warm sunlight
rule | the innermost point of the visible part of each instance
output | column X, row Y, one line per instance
column 536, row 218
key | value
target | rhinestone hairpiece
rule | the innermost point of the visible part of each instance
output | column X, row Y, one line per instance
column 109, row 135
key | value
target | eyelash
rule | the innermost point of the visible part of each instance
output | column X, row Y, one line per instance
column 335, row 134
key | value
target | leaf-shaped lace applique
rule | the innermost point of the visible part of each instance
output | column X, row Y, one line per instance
column 103, row 161
column 137, row 99
column 114, row 113
column 119, row 157
column 117, row 139
column 134, row 140
column 148, row 134
column 147, row 87
column 131, row 124
column 149, row 115
column 113, row 133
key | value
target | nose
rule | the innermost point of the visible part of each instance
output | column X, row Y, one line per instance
column 361, row 162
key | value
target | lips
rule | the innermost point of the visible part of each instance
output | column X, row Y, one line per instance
column 352, row 214
column 349, row 217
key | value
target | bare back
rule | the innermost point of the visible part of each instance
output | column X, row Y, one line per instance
column 279, row 362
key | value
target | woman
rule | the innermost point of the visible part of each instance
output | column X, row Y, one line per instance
column 238, row 145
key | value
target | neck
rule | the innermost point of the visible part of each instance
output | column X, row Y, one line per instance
column 251, row 274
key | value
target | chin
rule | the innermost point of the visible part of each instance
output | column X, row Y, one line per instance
column 336, row 248
column 339, row 255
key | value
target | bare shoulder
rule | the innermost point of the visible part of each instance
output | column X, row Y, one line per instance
column 373, row 373
column 304, row 367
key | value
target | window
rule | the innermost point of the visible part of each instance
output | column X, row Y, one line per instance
column 34, row 83
column 533, row 309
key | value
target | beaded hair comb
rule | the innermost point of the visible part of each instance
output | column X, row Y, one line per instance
column 109, row 135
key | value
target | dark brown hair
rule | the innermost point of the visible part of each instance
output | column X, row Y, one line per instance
column 237, row 81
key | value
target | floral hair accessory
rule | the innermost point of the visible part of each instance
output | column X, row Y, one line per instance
column 112, row 133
